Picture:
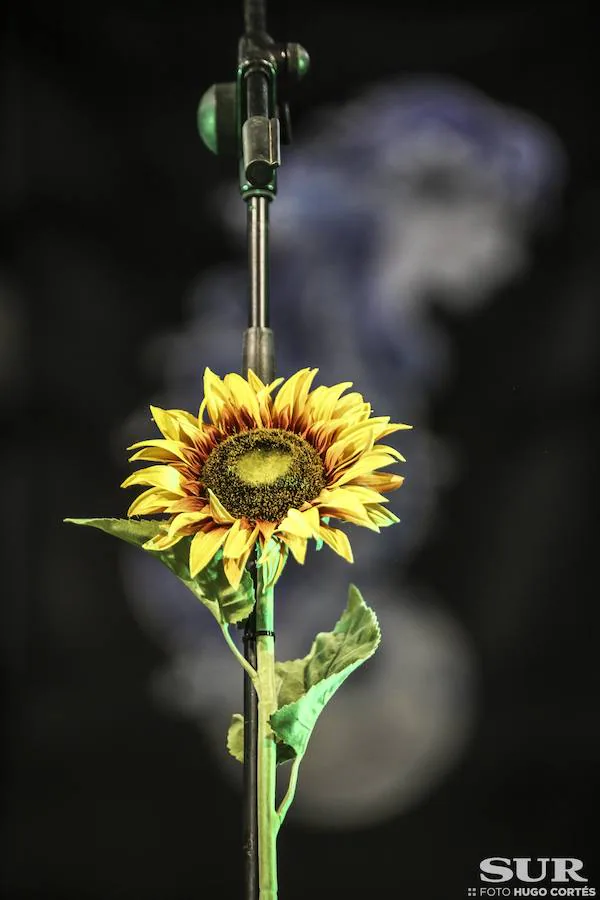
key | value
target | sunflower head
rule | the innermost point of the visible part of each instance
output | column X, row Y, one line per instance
column 264, row 472
column 253, row 468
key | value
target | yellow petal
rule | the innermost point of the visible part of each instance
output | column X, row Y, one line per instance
column 204, row 546
column 182, row 415
column 215, row 395
column 239, row 540
column 151, row 502
column 337, row 540
column 379, row 481
column 166, row 424
column 299, row 524
column 244, row 396
column 251, row 540
column 185, row 519
column 266, row 530
column 167, row 449
column 375, row 459
column 301, row 393
column 382, row 448
column 190, row 430
column 313, row 518
column 364, row 494
column 165, row 477
column 321, row 434
column 162, row 541
column 313, row 401
column 154, row 454
column 379, row 425
column 362, row 427
column 259, row 386
column 328, row 400
column 384, row 430
column 263, row 396
column 284, row 401
column 255, row 382
column 352, row 407
column 344, row 515
column 232, row 538
column 283, row 555
column 340, row 499
column 234, row 568
column 266, row 408
column 189, row 504
column 297, row 546
column 350, row 446
column 233, row 571
column 381, row 516
column 179, row 423
column 218, row 511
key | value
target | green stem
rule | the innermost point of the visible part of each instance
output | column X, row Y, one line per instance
column 291, row 791
column 239, row 656
column 268, row 820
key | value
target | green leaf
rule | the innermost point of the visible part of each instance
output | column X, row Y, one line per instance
column 305, row 685
column 210, row 586
column 134, row 531
column 235, row 742
column 235, row 737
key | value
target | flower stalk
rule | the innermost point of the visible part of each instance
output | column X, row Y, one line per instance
column 268, row 820
column 288, row 798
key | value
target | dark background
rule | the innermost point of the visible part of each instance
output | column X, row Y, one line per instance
column 103, row 187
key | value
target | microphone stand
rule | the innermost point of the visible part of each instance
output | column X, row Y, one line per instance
column 249, row 118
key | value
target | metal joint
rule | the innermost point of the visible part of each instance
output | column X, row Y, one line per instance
column 260, row 149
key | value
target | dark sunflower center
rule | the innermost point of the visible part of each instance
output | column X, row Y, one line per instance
column 261, row 474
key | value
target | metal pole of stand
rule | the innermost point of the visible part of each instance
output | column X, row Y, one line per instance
column 257, row 355
column 258, row 261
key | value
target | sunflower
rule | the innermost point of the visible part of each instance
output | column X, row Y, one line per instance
column 272, row 470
